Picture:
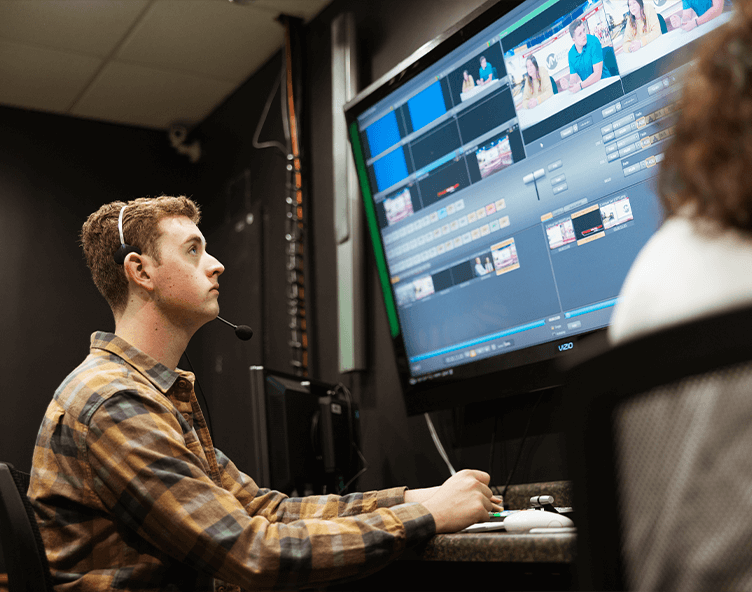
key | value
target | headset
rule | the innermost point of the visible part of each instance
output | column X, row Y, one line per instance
column 243, row 332
column 124, row 250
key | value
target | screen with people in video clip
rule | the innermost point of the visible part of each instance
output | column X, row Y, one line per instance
column 523, row 162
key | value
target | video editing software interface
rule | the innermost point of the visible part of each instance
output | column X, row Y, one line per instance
column 509, row 217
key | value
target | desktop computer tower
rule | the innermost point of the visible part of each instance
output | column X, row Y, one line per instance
column 306, row 434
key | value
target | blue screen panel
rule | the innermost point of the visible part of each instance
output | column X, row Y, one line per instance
column 390, row 169
column 426, row 106
column 383, row 134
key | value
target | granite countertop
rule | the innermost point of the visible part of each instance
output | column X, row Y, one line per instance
column 500, row 546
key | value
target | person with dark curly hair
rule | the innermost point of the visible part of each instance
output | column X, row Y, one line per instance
column 699, row 261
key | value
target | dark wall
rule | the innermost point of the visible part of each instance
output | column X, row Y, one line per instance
column 55, row 170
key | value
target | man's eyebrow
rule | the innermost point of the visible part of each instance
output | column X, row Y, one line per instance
column 195, row 238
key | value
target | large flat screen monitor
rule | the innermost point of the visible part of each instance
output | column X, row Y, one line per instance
column 508, row 173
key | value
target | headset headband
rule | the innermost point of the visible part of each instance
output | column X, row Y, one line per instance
column 120, row 224
column 124, row 248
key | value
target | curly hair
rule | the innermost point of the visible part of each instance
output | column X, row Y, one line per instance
column 100, row 238
column 707, row 167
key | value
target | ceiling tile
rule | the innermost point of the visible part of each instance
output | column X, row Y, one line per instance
column 149, row 97
column 92, row 27
column 211, row 37
column 39, row 78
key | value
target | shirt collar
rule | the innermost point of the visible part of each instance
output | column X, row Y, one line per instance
column 158, row 374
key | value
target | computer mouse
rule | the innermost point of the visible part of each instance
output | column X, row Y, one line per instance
column 528, row 519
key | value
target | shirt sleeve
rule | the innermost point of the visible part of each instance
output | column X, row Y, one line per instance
column 149, row 471
column 280, row 508
column 629, row 35
column 546, row 88
column 654, row 26
column 527, row 93
column 595, row 51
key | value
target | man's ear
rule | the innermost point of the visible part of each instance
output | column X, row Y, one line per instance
column 136, row 268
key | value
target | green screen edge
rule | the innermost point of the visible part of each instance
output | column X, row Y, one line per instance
column 384, row 280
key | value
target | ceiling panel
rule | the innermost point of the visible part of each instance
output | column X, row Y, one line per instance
column 137, row 95
column 39, row 78
column 92, row 27
column 218, row 39
column 147, row 63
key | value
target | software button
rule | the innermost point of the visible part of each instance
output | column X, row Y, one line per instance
column 631, row 170
column 654, row 88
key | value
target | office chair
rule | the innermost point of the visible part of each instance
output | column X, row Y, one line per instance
column 660, row 454
column 553, row 85
column 25, row 558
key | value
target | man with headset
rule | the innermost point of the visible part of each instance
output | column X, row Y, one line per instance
column 129, row 491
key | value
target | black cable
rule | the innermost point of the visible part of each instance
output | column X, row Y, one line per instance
column 205, row 406
column 522, row 446
column 493, row 447
column 343, row 390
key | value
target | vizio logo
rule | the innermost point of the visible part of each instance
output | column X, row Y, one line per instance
column 566, row 346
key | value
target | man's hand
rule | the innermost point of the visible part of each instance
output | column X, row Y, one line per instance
column 462, row 500
column 575, row 83
column 689, row 25
column 675, row 21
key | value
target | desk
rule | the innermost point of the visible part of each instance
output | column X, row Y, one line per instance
column 499, row 547
column 478, row 561
column 485, row 561
column 558, row 102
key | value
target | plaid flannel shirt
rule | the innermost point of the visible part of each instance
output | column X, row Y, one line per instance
column 130, row 494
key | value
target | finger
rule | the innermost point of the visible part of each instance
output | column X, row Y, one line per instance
column 486, row 491
column 481, row 476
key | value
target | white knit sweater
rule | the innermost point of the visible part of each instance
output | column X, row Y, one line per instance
column 681, row 274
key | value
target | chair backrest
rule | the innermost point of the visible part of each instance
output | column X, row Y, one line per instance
column 662, row 23
column 553, row 85
column 609, row 59
column 25, row 559
column 659, row 452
